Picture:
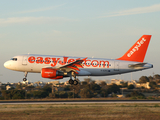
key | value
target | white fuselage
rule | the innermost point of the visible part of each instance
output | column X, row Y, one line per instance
column 91, row 66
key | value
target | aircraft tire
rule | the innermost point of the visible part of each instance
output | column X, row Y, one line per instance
column 75, row 82
column 24, row 79
column 71, row 81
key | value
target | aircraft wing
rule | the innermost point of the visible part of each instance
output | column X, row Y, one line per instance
column 137, row 65
column 73, row 66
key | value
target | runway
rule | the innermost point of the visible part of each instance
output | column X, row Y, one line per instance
column 78, row 102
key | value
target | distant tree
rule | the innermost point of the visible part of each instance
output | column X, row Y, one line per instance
column 120, row 86
column 17, row 94
column 6, row 94
column 114, row 95
column 113, row 88
column 143, row 87
column 157, row 76
column 75, row 88
column 24, row 85
column 94, row 87
column 45, row 91
column 143, row 79
column 40, row 94
column 104, row 92
column 136, row 94
column 66, row 88
column 12, row 88
column 37, row 94
column 44, row 94
column 131, row 86
column 3, row 87
column 158, row 81
column 70, row 94
column 47, row 88
column 125, row 84
column 54, row 95
column 29, row 95
column 30, row 87
column 19, row 87
column 63, row 94
column 38, row 87
column 1, row 98
column 103, row 84
column 88, row 80
column 84, row 83
column 153, row 84
column 150, row 78
column 85, row 93
column 13, row 94
column 128, row 95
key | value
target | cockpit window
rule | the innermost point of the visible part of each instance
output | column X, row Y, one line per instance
column 14, row 59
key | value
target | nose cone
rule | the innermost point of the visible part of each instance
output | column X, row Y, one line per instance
column 7, row 64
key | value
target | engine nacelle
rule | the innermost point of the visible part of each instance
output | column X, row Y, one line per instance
column 58, row 77
column 50, row 73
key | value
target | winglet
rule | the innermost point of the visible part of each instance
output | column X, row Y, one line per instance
column 138, row 51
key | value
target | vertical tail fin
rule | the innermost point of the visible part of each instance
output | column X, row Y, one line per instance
column 138, row 51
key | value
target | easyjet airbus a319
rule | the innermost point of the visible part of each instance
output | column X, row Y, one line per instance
column 58, row 67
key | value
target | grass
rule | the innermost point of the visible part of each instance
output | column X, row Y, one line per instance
column 98, row 111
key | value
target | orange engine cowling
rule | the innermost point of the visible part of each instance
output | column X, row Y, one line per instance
column 58, row 77
column 50, row 73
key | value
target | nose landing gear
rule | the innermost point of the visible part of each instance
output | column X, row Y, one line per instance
column 25, row 76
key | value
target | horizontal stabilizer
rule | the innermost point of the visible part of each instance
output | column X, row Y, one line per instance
column 136, row 65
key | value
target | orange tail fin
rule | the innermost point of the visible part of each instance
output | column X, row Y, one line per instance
column 138, row 51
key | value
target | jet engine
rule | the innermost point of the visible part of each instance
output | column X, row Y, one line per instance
column 51, row 73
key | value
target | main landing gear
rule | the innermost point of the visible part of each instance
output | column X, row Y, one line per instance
column 73, row 82
column 25, row 76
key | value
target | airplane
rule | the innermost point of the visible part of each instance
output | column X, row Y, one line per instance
column 58, row 67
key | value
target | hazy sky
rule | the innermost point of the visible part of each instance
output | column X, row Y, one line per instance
column 84, row 28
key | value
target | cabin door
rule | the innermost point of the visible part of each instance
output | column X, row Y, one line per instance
column 24, row 61
column 116, row 66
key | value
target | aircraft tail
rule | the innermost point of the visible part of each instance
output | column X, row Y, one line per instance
column 138, row 51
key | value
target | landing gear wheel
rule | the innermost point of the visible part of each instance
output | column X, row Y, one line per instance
column 71, row 81
column 75, row 82
column 25, row 76
column 24, row 79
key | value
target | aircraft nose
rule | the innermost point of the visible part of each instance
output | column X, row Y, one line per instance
column 7, row 64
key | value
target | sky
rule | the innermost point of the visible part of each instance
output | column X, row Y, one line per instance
column 83, row 28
